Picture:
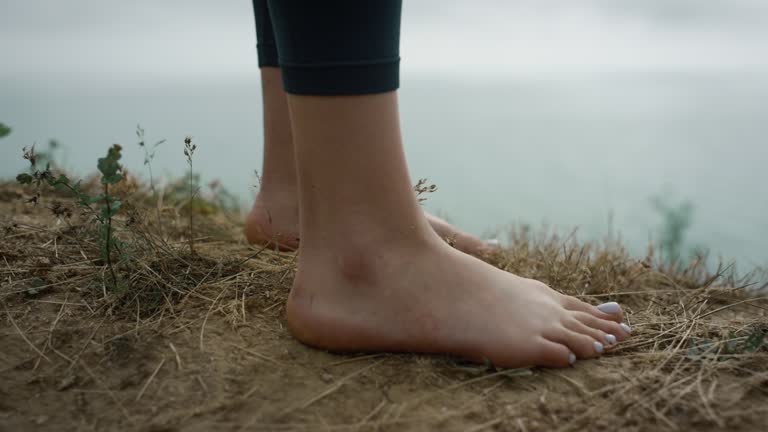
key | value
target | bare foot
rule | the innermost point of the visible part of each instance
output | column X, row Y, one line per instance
column 274, row 221
column 461, row 240
column 414, row 297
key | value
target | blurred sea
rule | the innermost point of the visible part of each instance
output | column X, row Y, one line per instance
column 585, row 152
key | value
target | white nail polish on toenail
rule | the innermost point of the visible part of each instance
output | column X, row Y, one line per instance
column 598, row 347
column 610, row 339
column 493, row 243
column 609, row 308
column 571, row 358
column 626, row 328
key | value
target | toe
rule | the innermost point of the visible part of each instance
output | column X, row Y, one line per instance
column 554, row 355
column 584, row 346
column 595, row 333
column 608, row 327
column 574, row 304
column 537, row 351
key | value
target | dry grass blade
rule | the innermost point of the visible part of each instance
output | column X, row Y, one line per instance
column 485, row 426
column 176, row 356
column 23, row 336
column 149, row 380
column 332, row 388
column 205, row 320
column 257, row 355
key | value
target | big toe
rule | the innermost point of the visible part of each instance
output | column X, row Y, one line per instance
column 607, row 311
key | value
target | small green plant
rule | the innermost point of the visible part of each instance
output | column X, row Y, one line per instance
column 111, row 174
column 47, row 157
column 4, row 130
column 720, row 349
column 103, row 206
column 755, row 340
column 189, row 151
column 676, row 220
column 149, row 155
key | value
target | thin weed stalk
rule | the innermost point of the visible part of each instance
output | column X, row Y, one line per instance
column 149, row 155
column 189, row 151
column 108, row 246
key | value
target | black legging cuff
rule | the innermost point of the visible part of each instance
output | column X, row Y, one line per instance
column 331, row 47
column 267, row 55
column 342, row 79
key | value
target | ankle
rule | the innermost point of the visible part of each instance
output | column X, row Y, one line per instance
column 333, row 285
column 274, row 218
column 281, row 190
column 358, row 262
column 348, row 235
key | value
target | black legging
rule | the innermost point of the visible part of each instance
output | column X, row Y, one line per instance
column 331, row 47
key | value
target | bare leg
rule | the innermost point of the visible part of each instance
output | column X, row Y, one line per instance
column 374, row 276
column 274, row 216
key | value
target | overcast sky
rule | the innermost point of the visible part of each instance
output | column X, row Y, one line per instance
column 149, row 39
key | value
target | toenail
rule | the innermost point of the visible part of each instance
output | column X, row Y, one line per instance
column 609, row 308
column 571, row 358
column 492, row 243
column 610, row 339
column 598, row 347
column 626, row 328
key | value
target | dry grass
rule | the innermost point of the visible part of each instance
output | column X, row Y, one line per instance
column 198, row 341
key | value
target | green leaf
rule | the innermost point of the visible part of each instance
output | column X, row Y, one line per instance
column 4, row 130
column 37, row 285
column 95, row 199
column 62, row 179
column 754, row 341
column 699, row 347
column 85, row 200
column 24, row 178
column 110, row 167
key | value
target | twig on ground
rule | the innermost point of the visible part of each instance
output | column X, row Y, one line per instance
column 149, row 380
